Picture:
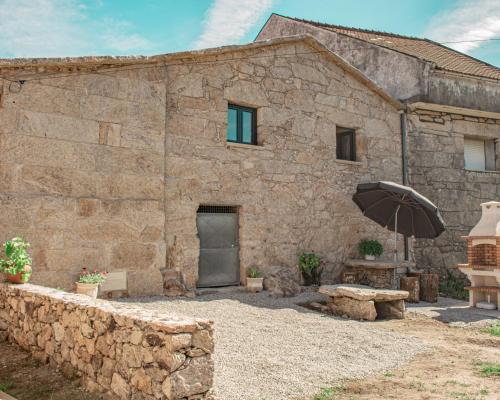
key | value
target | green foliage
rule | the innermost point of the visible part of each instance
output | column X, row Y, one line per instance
column 489, row 369
column 253, row 272
column 370, row 247
column 17, row 258
column 94, row 277
column 493, row 330
column 329, row 393
column 310, row 266
column 5, row 386
column 453, row 287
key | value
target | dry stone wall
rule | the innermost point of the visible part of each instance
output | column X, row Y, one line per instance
column 436, row 161
column 122, row 351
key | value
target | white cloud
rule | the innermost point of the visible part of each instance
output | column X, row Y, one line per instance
column 51, row 28
column 227, row 21
column 469, row 20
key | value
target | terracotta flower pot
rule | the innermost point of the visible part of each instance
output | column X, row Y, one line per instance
column 89, row 289
column 17, row 278
column 254, row 284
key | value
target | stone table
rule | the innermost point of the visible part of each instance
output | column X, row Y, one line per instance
column 365, row 302
column 380, row 274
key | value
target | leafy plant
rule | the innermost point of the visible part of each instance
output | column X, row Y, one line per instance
column 493, row 330
column 94, row 277
column 5, row 386
column 453, row 287
column 489, row 369
column 253, row 272
column 310, row 266
column 370, row 247
column 17, row 258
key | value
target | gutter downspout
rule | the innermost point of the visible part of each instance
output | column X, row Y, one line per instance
column 404, row 162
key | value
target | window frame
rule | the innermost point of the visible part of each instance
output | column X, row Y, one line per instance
column 239, row 124
column 351, row 132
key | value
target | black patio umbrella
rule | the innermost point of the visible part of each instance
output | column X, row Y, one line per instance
column 400, row 209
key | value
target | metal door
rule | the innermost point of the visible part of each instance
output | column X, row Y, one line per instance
column 219, row 247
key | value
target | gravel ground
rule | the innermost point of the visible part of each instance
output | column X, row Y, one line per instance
column 456, row 313
column 268, row 348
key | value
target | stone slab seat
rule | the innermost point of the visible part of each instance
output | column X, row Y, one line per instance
column 364, row 302
column 363, row 293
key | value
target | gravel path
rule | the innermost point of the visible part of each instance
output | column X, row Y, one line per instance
column 268, row 348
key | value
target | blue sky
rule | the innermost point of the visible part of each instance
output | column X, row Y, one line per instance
column 44, row 28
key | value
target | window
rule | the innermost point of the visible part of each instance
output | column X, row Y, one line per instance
column 241, row 124
column 479, row 154
column 346, row 144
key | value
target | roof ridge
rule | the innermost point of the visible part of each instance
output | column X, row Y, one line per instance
column 340, row 29
column 353, row 28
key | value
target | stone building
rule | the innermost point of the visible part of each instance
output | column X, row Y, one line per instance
column 151, row 165
column 450, row 125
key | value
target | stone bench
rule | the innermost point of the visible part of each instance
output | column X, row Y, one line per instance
column 364, row 302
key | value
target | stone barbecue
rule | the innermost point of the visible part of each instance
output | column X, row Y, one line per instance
column 483, row 258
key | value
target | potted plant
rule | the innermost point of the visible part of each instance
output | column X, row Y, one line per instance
column 254, row 280
column 88, row 282
column 370, row 249
column 17, row 264
column 310, row 267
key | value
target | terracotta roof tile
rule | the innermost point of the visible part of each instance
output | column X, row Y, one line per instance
column 443, row 57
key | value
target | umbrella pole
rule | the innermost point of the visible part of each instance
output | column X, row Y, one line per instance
column 396, row 236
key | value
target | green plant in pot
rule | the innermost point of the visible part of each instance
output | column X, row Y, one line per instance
column 88, row 282
column 370, row 249
column 254, row 280
column 17, row 262
column 310, row 267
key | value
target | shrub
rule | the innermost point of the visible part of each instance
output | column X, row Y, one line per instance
column 310, row 266
column 17, row 258
column 94, row 277
column 253, row 272
column 370, row 247
column 493, row 330
column 453, row 287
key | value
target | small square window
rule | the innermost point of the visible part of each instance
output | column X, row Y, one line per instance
column 241, row 124
column 346, row 144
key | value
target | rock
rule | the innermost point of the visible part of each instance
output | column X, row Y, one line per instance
column 412, row 286
column 120, row 386
column 356, row 309
column 196, row 378
column 391, row 309
column 141, row 381
column 281, row 282
column 203, row 340
column 361, row 292
column 58, row 331
column 173, row 284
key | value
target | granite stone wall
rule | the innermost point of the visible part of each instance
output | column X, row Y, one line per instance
column 291, row 192
column 82, row 172
column 436, row 162
column 123, row 351
column 106, row 166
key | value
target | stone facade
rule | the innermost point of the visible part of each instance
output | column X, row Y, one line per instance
column 435, row 139
column 122, row 351
column 106, row 165
column 82, row 173
column 436, row 162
